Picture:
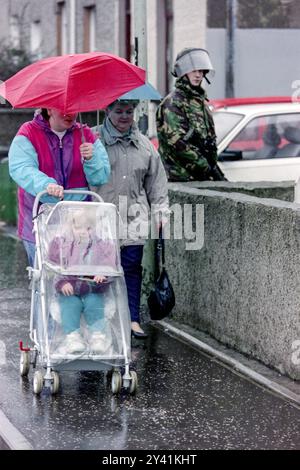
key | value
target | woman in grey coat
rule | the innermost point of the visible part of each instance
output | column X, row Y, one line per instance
column 137, row 184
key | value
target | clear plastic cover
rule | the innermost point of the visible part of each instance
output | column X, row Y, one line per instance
column 81, row 311
column 80, row 238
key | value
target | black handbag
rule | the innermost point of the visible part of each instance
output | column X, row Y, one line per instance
column 162, row 298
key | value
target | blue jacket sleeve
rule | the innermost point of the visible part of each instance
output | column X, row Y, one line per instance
column 24, row 168
column 97, row 169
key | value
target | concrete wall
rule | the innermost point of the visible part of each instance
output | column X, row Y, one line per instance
column 283, row 190
column 266, row 61
column 243, row 286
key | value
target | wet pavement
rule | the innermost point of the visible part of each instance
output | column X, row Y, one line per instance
column 185, row 399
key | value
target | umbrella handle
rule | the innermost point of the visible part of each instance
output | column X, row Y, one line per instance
column 98, row 123
column 81, row 129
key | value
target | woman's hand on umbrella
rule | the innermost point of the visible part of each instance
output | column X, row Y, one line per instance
column 86, row 150
column 55, row 190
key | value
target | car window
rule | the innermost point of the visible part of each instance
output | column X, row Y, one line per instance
column 225, row 122
column 274, row 136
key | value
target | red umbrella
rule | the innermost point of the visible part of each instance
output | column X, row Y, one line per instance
column 72, row 83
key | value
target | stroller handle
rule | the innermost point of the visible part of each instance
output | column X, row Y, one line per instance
column 66, row 191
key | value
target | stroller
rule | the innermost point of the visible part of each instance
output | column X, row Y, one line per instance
column 77, row 264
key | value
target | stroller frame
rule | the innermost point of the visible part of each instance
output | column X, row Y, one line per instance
column 30, row 355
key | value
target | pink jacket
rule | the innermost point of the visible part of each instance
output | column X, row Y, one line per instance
column 95, row 251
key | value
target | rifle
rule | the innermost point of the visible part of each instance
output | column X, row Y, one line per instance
column 207, row 147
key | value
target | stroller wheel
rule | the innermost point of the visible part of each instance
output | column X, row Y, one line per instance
column 24, row 363
column 38, row 382
column 116, row 382
column 134, row 382
column 55, row 384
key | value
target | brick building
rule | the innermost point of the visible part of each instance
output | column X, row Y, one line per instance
column 53, row 27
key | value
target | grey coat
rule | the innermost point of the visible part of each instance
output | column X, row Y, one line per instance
column 137, row 181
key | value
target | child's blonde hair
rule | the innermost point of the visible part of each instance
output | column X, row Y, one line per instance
column 81, row 218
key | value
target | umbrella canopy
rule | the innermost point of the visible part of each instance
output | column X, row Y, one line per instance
column 72, row 83
column 144, row 92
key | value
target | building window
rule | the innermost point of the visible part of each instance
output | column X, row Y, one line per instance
column 89, row 29
column 266, row 14
column 254, row 14
column 61, row 28
column 36, row 39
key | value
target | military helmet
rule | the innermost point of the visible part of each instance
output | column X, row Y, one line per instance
column 191, row 58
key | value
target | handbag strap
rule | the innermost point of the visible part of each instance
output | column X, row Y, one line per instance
column 160, row 248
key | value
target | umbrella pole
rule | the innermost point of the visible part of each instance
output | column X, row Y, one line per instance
column 98, row 120
column 81, row 129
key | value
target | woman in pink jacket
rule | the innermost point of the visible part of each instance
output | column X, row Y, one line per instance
column 48, row 154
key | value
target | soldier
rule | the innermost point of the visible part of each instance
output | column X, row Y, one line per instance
column 185, row 127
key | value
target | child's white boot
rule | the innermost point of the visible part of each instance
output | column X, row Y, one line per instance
column 73, row 344
column 99, row 343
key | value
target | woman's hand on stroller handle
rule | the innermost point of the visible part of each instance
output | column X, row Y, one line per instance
column 56, row 190
column 37, row 200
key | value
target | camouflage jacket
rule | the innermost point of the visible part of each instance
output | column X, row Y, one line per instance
column 184, row 125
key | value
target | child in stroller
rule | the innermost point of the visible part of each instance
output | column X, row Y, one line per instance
column 77, row 295
column 79, row 317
